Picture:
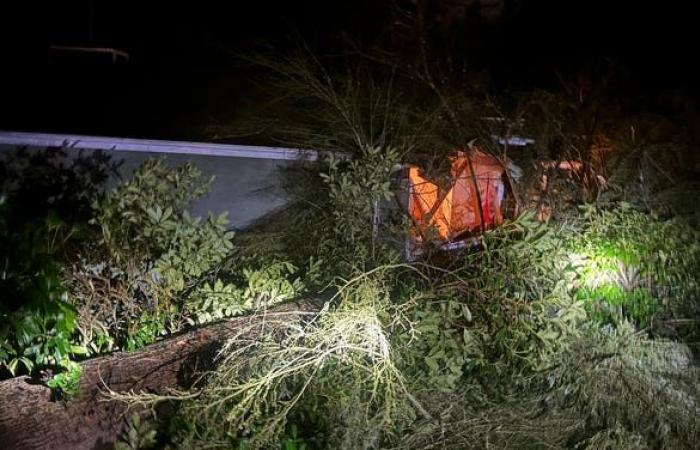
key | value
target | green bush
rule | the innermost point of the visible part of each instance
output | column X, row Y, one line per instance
column 334, row 218
column 131, row 285
column 45, row 201
column 611, row 388
column 37, row 323
column 258, row 289
column 64, row 385
column 138, row 218
column 634, row 266
column 506, row 308
column 39, row 334
column 438, row 345
column 355, row 189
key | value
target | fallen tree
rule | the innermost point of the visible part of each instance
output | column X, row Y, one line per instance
column 30, row 419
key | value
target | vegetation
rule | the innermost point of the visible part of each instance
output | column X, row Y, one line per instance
column 632, row 266
column 42, row 215
column 118, row 276
column 576, row 332
column 149, row 252
column 571, row 326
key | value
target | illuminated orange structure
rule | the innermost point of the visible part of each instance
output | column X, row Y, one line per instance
column 471, row 203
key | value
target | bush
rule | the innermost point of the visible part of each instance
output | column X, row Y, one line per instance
column 505, row 309
column 130, row 285
column 634, row 266
column 610, row 389
column 259, row 289
column 44, row 203
column 37, row 323
column 493, row 352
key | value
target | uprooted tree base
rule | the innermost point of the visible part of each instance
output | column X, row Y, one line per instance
column 30, row 419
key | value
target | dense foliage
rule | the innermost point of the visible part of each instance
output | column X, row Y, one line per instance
column 575, row 332
column 534, row 340
column 571, row 326
column 633, row 266
column 149, row 253
column 103, row 271
column 44, row 205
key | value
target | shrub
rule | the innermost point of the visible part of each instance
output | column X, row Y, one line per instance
column 634, row 266
column 40, row 221
column 259, row 289
column 506, row 308
column 65, row 384
column 612, row 388
column 131, row 285
column 37, row 323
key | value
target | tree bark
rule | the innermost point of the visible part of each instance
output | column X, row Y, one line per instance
column 29, row 419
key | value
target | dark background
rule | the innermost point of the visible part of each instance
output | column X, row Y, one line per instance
column 182, row 71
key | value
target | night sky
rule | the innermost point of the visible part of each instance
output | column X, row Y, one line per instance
column 182, row 72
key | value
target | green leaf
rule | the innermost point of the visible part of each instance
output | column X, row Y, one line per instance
column 78, row 350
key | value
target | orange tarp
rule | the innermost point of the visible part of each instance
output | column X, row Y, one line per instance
column 456, row 210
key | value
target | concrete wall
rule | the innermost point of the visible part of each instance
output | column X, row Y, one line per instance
column 248, row 188
column 245, row 187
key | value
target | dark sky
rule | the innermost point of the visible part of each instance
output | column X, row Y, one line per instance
column 181, row 70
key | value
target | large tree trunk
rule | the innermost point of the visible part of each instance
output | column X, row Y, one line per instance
column 29, row 419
